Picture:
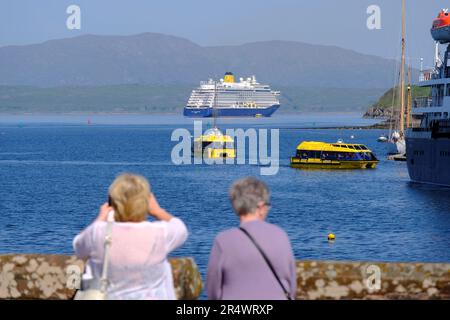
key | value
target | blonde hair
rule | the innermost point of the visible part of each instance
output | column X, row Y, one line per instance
column 129, row 195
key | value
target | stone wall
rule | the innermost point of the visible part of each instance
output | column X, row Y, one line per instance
column 372, row 280
column 35, row 276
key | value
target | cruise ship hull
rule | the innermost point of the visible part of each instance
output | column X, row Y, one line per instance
column 229, row 112
column 429, row 160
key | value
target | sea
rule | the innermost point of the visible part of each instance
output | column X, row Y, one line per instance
column 55, row 171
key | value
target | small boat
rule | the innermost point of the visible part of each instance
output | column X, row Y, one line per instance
column 214, row 145
column 383, row 138
column 322, row 155
column 440, row 31
column 397, row 157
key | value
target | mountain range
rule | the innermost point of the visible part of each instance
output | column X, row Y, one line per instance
column 151, row 58
column 153, row 72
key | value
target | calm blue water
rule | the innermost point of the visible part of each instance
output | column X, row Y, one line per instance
column 54, row 176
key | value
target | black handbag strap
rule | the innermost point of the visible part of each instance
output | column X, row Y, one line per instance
column 286, row 293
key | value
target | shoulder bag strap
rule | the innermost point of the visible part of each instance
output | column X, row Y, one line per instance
column 286, row 293
column 108, row 240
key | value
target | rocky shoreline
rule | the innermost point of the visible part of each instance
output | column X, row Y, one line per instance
column 378, row 113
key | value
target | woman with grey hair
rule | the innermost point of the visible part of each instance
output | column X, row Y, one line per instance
column 254, row 261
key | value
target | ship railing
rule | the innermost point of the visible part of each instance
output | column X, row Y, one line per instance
column 423, row 102
column 437, row 128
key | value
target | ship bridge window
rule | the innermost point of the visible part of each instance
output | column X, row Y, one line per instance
column 310, row 154
column 206, row 144
column 315, row 154
column 306, row 154
column 440, row 93
column 302, row 154
column 329, row 155
column 221, row 145
column 346, row 156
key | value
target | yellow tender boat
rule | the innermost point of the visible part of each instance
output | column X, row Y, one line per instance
column 214, row 144
column 321, row 155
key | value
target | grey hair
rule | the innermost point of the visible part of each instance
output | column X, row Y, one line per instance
column 245, row 195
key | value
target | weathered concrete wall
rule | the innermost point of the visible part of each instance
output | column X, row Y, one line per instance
column 32, row 276
column 54, row 277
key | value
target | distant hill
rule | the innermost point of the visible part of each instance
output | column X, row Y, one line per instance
column 391, row 100
column 161, row 60
column 168, row 98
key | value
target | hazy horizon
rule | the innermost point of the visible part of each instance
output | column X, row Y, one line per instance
column 325, row 22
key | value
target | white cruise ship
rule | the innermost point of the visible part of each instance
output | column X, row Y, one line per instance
column 227, row 98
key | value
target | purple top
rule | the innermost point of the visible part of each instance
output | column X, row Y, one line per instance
column 237, row 270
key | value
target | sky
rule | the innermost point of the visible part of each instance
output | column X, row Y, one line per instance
column 341, row 23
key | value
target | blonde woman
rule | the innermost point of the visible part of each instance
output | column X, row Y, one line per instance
column 138, row 266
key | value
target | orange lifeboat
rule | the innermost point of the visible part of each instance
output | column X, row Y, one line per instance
column 440, row 31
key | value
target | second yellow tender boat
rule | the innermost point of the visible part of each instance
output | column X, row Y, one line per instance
column 321, row 155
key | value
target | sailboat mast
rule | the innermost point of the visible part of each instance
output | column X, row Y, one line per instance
column 402, row 72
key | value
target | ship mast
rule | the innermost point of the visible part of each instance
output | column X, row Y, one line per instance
column 402, row 74
column 214, row 106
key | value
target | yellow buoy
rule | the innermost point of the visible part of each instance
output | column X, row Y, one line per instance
column 331, row 237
